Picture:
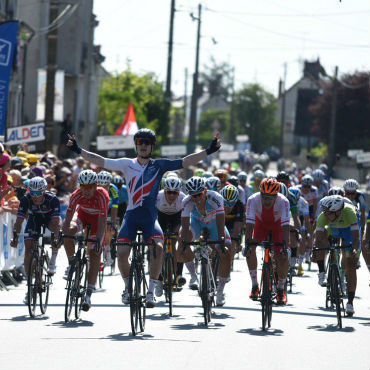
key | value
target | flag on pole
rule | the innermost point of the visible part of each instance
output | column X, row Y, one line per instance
column 129, row 125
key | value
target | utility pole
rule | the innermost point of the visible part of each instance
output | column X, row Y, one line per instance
column 185, row 95
column 282, row 118
column 231, row 127
column 333, row 120
column 52, row 43
column 194, row 96
column 167, row 94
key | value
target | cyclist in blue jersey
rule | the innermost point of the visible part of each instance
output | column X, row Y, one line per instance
column 143, row 176
column 204, row 209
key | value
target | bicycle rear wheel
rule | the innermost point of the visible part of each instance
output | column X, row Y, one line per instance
column 72, row 290
column 80, row 286
column 204, row 289
column 337, row 299
column 45, row 283
column 266, row 300
column 33, row 284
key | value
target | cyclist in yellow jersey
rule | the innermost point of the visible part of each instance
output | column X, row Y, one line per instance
column 339, row 219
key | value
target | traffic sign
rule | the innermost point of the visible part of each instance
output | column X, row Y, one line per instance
column 173, row 150
column 363, row 157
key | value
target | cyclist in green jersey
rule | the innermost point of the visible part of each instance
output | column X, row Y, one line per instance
column 339, row 219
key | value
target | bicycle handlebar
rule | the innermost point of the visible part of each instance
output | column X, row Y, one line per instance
column 332, row 247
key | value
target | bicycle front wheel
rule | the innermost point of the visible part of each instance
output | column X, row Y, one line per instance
column 169, row 280
column 45, row 283
column 72, row 290
column 266, row 299
column 134, row 291
column 204, row 292
column 336, row 289
column 80, row 285
column 113, row 253
column 33, row 284
column 142, row 302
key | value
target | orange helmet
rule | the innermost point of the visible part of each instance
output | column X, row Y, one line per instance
column 270, row 186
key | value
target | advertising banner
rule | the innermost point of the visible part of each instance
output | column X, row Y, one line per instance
column 8, row 43
column 26, row 134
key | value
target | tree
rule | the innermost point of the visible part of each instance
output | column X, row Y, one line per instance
column 353, row 113
column 210, row 120
column 144, row 91
column 255, row 112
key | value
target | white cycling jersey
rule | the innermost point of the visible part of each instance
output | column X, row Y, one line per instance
column 281, row 209
column 169, row 208
column 311, row 195
column 303, row 207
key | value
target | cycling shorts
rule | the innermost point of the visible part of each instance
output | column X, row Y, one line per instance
column 82, row 219
column 344, row 233
column 261, row 231
column 197, row 226
column 139, row 219
column 35, row 223
column 169, row 222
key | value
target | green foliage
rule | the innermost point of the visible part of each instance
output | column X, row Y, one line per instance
column 320, row 151
column 255, row 111
column 207, row 120
column 144, row 91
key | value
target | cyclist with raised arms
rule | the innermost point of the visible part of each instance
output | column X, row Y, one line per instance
column 169, row 205
column 339, row 219
column 91, row 203
column 143, row 177
column 268, row 211
column 42, row 208
column 204, row 209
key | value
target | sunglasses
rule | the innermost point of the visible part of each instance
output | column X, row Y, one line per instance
column 350, row 193
column 306, row 187
column 87, row 187
column 36, row 193
column 229, row 204
column 196, row 195
column 268, row 196
column 144, row 142
column 170, row 192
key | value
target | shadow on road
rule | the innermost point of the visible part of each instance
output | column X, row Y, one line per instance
column 332, row 328
column 365, row 323
column 217, row 315
column 162, row 316
column 200, row 325
column 27, row 318
column 126, row 337
column 262, row 333
column 72, row 324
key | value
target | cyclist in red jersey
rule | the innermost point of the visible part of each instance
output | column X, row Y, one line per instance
column 91, row 203
column 268, row 211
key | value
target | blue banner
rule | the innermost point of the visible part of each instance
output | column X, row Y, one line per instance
column 8, row 43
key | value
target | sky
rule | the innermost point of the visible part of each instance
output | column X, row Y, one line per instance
column 256, row 37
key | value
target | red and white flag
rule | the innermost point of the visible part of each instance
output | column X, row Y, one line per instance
column 129, row 125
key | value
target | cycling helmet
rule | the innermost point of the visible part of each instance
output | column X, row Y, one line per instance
column 221, row 174
column 213, row 183
column 172, row 174
column 145, row 133
column 336, row 190
column 318, row 175
column 195, row 185
column 37, row 184
column 258, row 174
column 323, row 167
column 350, row 185
column 332, row 203
column 270, row 186
column 282, row 175
column 172, row 183
column 104, row 178
column 296, row 192
column 257, row 167
column 307, row 180
column 230, row 193
column 242, row 176
column 207, row 175
column 233, row 180
column 117, row 180
column 283, row 190
column 199, row 172
column 87, row 177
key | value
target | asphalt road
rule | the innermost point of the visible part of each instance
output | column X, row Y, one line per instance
column 303, row 334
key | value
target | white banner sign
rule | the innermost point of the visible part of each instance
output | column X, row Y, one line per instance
column 173, row 150
column 229, row 156
column 227, row 147
column 114, row 142
column 353, row 153
column 242, row 138
column 26, row 134
column 363, row 157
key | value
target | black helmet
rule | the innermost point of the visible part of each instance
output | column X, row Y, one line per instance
column 233, row 180
column 145, row 133
column 282, row 175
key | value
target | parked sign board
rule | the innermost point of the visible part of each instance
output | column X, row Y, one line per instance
column 363, row 157
column 227, row 147
column 26, row 134
column 352, row 153
column 229, row 156
column 242, row 138
column 173, row 150
column 114, row 142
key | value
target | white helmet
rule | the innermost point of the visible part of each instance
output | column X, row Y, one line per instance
column 258, row 174
column 172, row 183
column 207, row 174
column 213, row 183
column 307, row 180
column 350, row 185
column 104, row 178
column 336, row 190
column 323, row 167
column 117, row 180
column 242, row 176
column 172, row 174
column 87, row 177
column 230, row 193
column 318, row 175
column 37, row 184
column 332, row 203
column 195, row 185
